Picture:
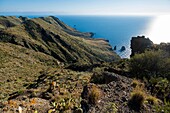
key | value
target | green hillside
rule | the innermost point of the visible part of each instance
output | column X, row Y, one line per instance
column 52, row 37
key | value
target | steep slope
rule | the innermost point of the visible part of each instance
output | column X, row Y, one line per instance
column 20, row 66
column 34, row 54
column 51, row 36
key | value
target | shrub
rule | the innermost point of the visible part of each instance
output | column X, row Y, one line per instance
column 149, row 64
column 135, row 83
column 137, row 100
column 164, row 108
column 160, row 87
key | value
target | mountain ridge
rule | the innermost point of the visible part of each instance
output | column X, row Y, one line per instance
column 51, row 36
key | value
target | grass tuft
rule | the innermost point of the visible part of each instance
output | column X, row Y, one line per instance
column 94, row 95
column 137, row 100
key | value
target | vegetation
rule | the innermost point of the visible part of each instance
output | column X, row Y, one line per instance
column 46, row 65
column 19, row 67
column 137, row 84
column 150, row 64
column 152, row 100
column 112, row 108
column 163, row 108
column 137, row 100
column 153, row 67
column 57, row 40
column 94, row 95
column 160, row 87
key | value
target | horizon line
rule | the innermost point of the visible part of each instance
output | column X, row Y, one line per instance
column 79, row 14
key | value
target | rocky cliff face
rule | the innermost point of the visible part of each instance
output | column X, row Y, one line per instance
column 139, row 44
column 52, row 37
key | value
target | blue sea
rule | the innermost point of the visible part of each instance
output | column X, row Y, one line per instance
column 117, row 29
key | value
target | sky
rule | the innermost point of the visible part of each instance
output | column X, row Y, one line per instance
column 87, row 7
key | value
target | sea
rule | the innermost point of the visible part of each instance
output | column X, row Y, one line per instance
column 117, row 29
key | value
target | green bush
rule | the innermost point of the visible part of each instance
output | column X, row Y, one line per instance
column 160, row 87
column 164, row 108
column 149, row 64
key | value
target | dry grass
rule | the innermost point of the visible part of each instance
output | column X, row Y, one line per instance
column 94, row 95
column 137, row 100
column 137, row 84
column 152, row 100
column 139, row 96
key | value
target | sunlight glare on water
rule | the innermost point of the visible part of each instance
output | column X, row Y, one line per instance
column 159, row 30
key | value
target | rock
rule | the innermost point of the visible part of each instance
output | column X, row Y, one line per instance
column 122, row 48
column 139, row 44
column 84, row 105
column 20, row 109
column 124, row 99
column 104, row 78
column 115, row 48
column 124, row 93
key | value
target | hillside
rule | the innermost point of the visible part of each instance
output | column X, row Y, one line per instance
column 31, row 48
column 20, row 66
column 49, row 67
column 52, row 37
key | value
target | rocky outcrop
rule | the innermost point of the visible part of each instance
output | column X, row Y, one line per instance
column 139, row 44
column 123, row 48
column 104, row 78
column 115, row 94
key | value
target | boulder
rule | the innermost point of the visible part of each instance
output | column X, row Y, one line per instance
column 104, row 78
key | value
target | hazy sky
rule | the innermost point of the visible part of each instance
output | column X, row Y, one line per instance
column 87, row 7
